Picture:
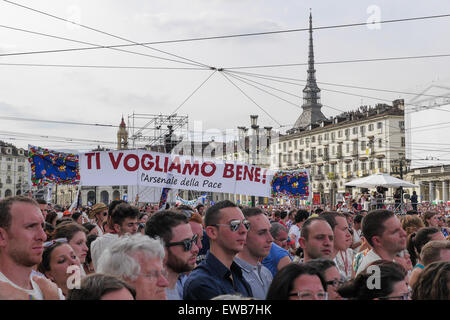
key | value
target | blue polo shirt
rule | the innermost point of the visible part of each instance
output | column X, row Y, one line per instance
column 275, row 255
column 211, row 278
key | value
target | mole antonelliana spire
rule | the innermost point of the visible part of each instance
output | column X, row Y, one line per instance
column 311, row 93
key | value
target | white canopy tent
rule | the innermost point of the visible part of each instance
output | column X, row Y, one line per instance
column 380, row 180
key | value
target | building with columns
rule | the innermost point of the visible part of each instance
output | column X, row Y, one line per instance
column 433, row 183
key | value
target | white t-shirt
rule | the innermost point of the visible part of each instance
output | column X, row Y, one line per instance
column 370, row 257
column 356, row 239
column 344, row 261
column 99, row 245
column 294, row 234
column 35, row 292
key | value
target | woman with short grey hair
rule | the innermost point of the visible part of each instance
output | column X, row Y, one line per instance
column 118, row 258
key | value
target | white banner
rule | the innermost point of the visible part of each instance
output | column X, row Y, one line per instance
column 152, row 169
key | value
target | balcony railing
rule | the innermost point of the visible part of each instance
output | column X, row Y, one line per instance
column 318, row 176
column 326, row 157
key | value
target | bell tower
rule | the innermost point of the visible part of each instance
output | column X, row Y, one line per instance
column 122, row 136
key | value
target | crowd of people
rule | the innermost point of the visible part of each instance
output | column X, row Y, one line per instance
column 125, row 251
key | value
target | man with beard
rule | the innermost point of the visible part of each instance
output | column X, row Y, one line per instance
column 21, row 246
column 218, row 274
column 180, row 245
column 383, row 231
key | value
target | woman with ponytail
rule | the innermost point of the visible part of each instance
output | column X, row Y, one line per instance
column 415, row 243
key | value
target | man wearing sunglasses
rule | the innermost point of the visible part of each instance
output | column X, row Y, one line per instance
column 180, row 244
column 257, row 247
column 218, row 274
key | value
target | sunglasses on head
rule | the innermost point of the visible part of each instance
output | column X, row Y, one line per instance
column 187, row 243
column 236, row 224
column 52, row 242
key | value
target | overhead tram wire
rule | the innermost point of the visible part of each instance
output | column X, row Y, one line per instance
column 260, row 33
column 263, row 76
column 96, row 66
column 93, row 46
column 324, row 105
column 173, row 112
column 341, row 61
column 244, row 81
column 78, row 140
column 362, row 96
column 105, row 33
column 248, row 97
column 294, row 104
column 231, row 36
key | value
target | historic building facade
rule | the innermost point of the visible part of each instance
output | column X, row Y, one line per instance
column 339, row 149
column 13, row 170
column 433, row 183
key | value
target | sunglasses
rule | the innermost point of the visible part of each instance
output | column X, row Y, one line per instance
column 236, row 224
column 187, row 244
column 53, row 242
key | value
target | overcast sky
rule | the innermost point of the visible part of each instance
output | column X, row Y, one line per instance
column 103, row 95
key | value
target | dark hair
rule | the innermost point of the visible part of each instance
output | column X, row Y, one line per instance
column 318, row 211
column 90, row 238
column 417, row 240
column 432, row 283
column 89, row 226
column 5, row 209
column 330, row 216
column 94, row 286
column 372, row 223
column 123, row 211
column 283, row 282
column 301, row 215
column 162, row 222
column 68, row 230
column 44, row 266
column 358, row 218
column 305, row 228
column 199, row 206
column 76, row 215
column 41, row 201
column 321, row 264
column 251, row 212
column 49, row 229
column 113, row 205
column 283, row 214
column 357, row 289
column 427, row 215
column 51, row 216
column 212, row 214
column 63, row 221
